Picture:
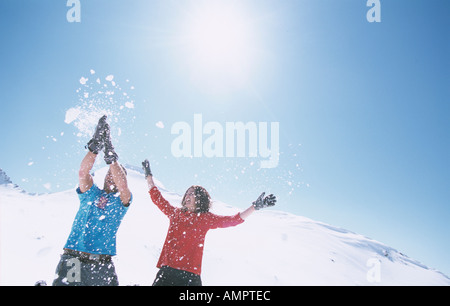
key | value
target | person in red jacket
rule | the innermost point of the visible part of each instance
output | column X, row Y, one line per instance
column 180, row 261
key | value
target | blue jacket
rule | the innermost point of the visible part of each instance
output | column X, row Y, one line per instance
column 97, row 221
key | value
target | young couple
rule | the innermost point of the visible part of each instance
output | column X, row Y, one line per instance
column 88, row 252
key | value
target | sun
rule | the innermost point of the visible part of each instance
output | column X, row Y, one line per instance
column 219, row 44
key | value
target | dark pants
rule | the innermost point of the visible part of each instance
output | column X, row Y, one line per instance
column 76, row 271
column 168, row 276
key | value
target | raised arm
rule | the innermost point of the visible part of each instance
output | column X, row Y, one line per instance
column 148, row 174
column 120, row 180
column 85, row 179
column 155, row 194
column 94, row 145
column 119, row 175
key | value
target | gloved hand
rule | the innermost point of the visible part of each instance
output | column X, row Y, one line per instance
column 96, row 144
column 263, row 202
column 146, row 167
column 110, row 155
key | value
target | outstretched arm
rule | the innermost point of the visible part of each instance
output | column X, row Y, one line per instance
column 85, row 179
column 261, row 202
column 246, row 213
column 120, row 180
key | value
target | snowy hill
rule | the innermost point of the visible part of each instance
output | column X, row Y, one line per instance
column 270, row 248
column 4, row 179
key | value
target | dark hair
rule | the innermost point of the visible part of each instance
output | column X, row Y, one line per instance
column 202, row 199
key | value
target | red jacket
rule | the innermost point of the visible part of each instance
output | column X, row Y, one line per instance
column 183, row 248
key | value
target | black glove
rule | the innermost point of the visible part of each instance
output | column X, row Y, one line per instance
column 146, row 167
column 263, row 202
column 110, row 155
column 96, row 144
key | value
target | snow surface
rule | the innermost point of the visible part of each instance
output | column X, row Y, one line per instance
column 270, row 248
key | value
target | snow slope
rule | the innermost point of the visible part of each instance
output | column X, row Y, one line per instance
column 270, row 248
column 4, row 179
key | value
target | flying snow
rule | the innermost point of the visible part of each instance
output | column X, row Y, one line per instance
column 83, row 80
column 96, row 99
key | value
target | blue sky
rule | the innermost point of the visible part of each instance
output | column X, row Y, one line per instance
column 362, row 107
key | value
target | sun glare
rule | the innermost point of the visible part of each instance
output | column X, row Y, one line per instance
column 219, row 39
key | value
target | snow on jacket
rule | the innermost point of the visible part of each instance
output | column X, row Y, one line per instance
column 183, row 248
column 94, row 229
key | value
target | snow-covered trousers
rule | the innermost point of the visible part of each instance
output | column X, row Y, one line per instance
column 168, row 276
column 76, row 271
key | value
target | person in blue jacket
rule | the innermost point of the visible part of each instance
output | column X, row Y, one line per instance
column 88, row 252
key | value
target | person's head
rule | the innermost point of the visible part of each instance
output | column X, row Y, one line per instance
column 196, row 199
column 109, row 185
